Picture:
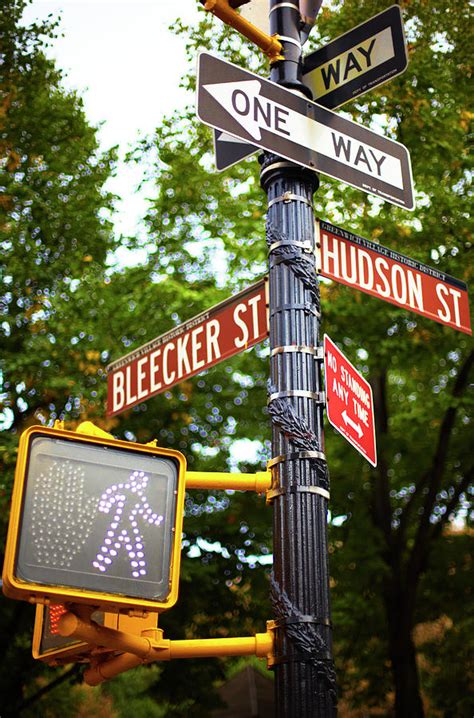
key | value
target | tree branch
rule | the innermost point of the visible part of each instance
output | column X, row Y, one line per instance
column 441, row 449
column 433, row 476
column 72, row 673
column 382, row 510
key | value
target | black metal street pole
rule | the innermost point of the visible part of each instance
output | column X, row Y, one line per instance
column 305, row 684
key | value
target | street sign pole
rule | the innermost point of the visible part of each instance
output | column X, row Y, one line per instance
column 305, row 685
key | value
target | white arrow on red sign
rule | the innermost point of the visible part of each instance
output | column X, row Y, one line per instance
column 349, row 401
column 349, row 422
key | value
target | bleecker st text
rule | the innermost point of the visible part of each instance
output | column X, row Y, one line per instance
column 187, row 350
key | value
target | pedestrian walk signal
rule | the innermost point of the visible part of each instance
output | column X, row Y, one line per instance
column 95, row 520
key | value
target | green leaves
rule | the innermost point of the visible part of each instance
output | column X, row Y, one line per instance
column 68, row 310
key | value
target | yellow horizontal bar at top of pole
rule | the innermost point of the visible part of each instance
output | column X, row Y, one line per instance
column 270, row 44
column 259, row 482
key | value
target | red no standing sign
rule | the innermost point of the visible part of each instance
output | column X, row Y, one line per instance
column 349, row 402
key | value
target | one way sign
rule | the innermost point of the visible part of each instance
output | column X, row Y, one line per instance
column 354, row 63
column 229, row 150
column 275, row 119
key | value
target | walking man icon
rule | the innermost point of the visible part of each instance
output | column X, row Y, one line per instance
column 130, row 505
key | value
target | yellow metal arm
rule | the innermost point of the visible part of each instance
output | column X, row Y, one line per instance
column 259, row 482
column 151, row 646
column 270, row 44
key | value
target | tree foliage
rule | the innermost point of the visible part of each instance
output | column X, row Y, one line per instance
column 54, row 225
column 54, row 234
column 400, row 589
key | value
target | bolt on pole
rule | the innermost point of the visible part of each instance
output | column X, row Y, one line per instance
column 305, row 684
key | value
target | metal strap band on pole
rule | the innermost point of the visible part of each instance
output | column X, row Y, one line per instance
column 291, row 40
column 318, row 396
column 317, row 352
column 301, row 657
column 289, row 197
column 305, row 307
column 296, row 455
column 281, row 243
column 284, row 4
column 291, row 620
column 276, row 166
column 273, row 493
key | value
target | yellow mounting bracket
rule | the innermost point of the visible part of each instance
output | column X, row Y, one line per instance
column 151, row 646
column 87, row 427
column 259, row 482
column 270, row 44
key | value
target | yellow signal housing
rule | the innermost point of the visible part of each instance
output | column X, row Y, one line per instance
column 95, row 520
column 51, row 647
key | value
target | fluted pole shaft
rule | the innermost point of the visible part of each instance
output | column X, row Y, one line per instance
column 303, row 664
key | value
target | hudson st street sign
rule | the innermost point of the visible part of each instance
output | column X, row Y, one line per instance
column 267, row 115
column 383, row 273
column 354, row 63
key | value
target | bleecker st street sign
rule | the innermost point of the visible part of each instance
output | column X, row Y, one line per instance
column 207, row 339
column 367, row 56
column 267, row 115
column 376, row 270
column 349, row 401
